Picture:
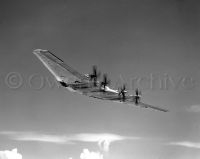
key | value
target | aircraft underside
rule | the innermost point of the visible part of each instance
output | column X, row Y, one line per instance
column 88, row 84
column 96, row 92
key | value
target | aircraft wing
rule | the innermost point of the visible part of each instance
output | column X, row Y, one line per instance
column 56, row 66
column 152, row 107
column 141, row 104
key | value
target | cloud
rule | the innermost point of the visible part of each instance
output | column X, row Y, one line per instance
column 86, row 154
column 13, row 154
column 102, row 139
column 186, row 144
column 194, row 108
column 33, row 136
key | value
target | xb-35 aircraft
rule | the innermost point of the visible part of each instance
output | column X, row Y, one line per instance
column 88, row 84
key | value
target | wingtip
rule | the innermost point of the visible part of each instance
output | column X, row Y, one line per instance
column 37, row 51
column 164, row 110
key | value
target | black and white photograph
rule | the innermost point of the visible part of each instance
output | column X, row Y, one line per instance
column 100, row 79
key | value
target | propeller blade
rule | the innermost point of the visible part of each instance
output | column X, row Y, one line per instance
column 95, row 74
column 94, row 70
column 122, row 92
column 137, row 96
column 137, row 92
column 105, row 81
column 124, row 87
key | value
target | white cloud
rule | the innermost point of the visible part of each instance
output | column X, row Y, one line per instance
column 86, row 154
column 194, row 108
column 33, row 136
column 103, row 140
column 186, row 144
column 13, row 154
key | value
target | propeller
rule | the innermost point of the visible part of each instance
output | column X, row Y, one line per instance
column 95, row 74
column 105, row 81
column 137, row 96
column 122, row 92
column 137, row 92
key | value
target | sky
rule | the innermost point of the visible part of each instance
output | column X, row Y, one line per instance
column 150, row 45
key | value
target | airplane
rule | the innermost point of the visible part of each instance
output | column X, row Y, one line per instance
column 88, row 84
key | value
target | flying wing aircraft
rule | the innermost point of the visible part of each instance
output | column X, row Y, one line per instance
column 88, row 84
